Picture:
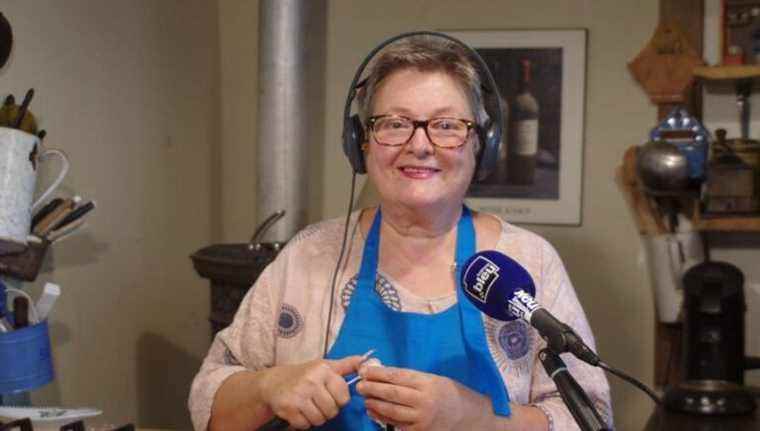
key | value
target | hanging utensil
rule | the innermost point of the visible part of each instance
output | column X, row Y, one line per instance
column 24, row 107
column 743, row 93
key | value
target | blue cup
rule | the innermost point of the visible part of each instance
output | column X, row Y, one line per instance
column 26, row 360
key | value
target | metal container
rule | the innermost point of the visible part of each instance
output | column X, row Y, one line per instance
column 662, row 168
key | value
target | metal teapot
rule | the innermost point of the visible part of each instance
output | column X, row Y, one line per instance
column 662, row 168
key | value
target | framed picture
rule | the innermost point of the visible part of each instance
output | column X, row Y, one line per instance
column 541, row 77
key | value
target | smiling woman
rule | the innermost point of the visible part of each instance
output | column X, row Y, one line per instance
column 419, row 175
column 295, row 342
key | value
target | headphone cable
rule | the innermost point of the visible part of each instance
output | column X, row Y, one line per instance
column 340, row 260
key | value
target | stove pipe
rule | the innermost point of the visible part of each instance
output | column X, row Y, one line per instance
column 290, row 32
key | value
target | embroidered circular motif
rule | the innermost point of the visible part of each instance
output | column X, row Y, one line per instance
column 290, row 321
column 513, row 339
column 383, row 287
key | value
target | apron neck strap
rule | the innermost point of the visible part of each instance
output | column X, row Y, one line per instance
column 465, row 247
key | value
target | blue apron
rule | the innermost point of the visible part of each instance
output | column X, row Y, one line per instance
column 451, row 343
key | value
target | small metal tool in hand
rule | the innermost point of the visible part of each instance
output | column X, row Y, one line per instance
column 365, row 358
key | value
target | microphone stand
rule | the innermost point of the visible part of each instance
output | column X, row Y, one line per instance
column 572, row 393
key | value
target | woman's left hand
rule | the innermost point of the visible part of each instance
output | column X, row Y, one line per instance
column 416, row 401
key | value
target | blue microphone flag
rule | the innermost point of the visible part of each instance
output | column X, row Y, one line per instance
column 497, row 285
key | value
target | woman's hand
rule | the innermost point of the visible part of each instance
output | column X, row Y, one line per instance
column 417, row 401
column 308, row 394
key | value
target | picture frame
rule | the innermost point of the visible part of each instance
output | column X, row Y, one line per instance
column 555, row 60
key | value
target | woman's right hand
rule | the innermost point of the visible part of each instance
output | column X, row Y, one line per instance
column 308, row 394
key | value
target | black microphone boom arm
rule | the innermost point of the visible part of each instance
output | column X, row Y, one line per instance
column 561, row 338
column 575, row 398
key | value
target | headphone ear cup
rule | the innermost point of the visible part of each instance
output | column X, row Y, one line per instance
column 491, row 139
column 353, row 136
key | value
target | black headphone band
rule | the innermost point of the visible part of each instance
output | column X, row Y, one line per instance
column 488, row 83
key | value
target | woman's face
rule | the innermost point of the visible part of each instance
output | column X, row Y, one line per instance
column 419, row 174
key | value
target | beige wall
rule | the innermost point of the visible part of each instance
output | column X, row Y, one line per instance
column 238, row 41
column 130, row 91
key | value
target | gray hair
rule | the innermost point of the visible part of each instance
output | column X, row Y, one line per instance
column 426, row 53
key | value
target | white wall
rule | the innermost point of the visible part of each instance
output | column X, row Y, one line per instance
column 130, row 91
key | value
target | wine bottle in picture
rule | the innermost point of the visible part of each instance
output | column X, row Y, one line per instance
column 523, row 144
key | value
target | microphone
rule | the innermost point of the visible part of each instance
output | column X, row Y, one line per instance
column 501, row 288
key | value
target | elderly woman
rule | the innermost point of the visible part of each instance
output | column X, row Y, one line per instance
column 301, row 330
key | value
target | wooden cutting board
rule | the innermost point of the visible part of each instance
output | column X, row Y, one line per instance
column 665, row 66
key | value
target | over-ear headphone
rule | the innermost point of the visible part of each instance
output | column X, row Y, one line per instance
column 489, row 133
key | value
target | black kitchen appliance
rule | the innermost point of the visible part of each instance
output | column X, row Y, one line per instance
column 713, row 362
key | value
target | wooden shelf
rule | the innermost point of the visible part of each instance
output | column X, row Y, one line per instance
column 728, row 224
column 727, row 72
column 743, row 71
column 649, row 217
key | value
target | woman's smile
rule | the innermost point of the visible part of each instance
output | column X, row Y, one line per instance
column 418, row 172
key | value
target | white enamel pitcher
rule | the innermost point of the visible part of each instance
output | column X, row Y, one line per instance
column 20, row 154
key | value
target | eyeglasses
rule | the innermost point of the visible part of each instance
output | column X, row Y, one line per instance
column 395, row 130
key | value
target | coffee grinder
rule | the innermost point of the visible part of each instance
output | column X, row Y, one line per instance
column 713, row 362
